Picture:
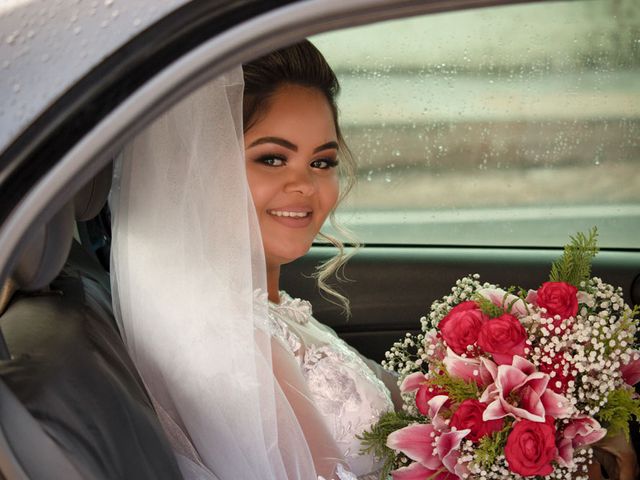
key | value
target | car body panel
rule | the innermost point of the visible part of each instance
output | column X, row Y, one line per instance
column 47, row 46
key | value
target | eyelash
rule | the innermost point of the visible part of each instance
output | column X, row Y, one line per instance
column 331, row 163
column 268, row 161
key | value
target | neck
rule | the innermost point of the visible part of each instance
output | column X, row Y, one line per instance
column 273, row 283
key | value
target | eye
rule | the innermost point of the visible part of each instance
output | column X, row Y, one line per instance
column 272, row 160
column 324, row 163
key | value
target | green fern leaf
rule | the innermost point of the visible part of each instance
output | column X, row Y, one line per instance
column 574, row 266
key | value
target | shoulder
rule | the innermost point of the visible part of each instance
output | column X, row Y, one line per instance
column 284, row 318
column 292, row 309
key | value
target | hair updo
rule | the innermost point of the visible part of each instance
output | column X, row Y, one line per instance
column 302, row 64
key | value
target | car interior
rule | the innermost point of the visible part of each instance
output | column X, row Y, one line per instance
column 71, row 394
column 72, row 404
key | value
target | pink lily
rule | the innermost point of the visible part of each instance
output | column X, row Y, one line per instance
column 412, row 382
column 424, row 444
column 448, row 446
column 416, row 471
column 434, row 406
column 521, row 381
column 582, row 430
column 631, row 371
column 418, row 443
column 501, row 298
column 425, row 391
column 466, row 368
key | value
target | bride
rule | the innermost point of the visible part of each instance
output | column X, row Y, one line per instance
column 209, row 202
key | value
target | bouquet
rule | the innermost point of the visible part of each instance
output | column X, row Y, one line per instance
column 506, row 384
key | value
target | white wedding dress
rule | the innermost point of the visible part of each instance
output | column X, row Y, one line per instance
column 244, row 389
column 342, row 384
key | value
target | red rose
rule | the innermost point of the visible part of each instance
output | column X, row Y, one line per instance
column 425, row 393
column 558, row 298
column 531, row 447
column 503, row 337
column 469, row 415
column 460, row 327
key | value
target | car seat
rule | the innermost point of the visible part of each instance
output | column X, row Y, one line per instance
column 72, row 404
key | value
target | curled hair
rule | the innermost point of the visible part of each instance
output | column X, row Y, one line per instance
column 302, row 64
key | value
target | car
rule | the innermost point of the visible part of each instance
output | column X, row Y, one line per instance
column 487, row 132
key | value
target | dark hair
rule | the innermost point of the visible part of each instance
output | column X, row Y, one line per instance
column 302, row 64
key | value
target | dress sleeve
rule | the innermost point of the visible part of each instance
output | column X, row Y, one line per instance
column 389, row 379
column 324, row 451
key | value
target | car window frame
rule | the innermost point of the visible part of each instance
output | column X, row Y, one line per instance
column 46, row 188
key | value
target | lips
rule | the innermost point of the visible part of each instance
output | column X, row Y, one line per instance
column 294, row 217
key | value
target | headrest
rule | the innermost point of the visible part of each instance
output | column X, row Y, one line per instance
column 44, row 255
column 92, row 197
column 46, row 251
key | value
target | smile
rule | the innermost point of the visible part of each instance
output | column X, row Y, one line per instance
column 284, row 213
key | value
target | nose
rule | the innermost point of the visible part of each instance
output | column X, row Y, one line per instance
column 300, row 181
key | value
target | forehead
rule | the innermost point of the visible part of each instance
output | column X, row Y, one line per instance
column 296, row 109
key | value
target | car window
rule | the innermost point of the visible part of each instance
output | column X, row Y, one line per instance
column 513, row 125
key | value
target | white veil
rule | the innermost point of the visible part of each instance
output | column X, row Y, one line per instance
column 186, row 261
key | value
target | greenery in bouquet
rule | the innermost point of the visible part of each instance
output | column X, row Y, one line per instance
column 511, row 383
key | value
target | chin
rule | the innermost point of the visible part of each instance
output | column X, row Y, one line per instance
column 283, row 256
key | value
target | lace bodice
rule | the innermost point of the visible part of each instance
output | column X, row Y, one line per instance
column 344, row 389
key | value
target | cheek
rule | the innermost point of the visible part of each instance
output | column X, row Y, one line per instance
column 259, row 189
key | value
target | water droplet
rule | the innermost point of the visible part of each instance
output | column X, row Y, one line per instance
column 115, row 13
column 16, row 87
column 11, row 38
column 137, row 22
column 108, row 3
column 597, row 162
column 104, row 24
column 396, row 153
column 30, row 34
column 77, row 30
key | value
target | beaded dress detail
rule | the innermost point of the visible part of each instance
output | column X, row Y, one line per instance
column 345, row 390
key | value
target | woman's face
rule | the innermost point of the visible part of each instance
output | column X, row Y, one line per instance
column 291, row 167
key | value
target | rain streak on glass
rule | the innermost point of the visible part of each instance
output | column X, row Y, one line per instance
column 511, row 125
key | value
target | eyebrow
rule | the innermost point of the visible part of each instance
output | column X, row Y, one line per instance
column 287, row 144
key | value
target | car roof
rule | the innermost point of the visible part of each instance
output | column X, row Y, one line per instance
column 65, row 39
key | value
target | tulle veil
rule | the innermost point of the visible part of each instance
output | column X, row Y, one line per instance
column 187, row 269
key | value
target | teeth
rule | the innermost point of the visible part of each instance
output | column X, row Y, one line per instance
column 281, row 213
